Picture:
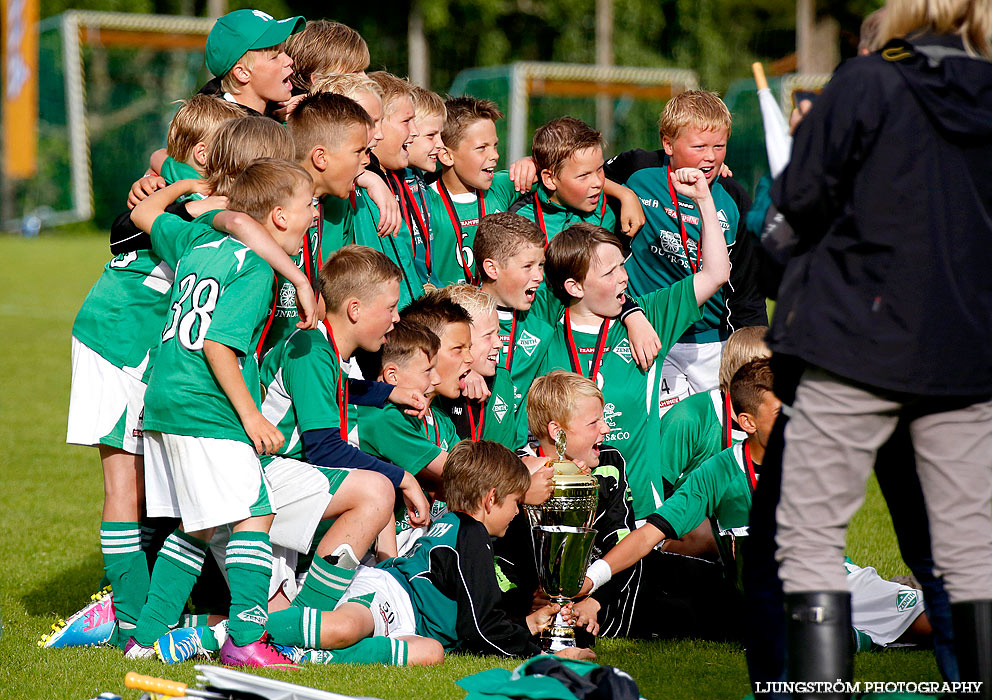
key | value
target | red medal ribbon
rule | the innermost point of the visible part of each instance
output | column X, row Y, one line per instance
column 427, row 431
column 573, row 353
column 398, row 193
column 342, row 392
column 728, row 421
column 513, row 339
column 268, row 321
column 475, row 432
column 678, row 216
column 421, row 223
column 752, row 478
column 539, row 219
column 457, row 224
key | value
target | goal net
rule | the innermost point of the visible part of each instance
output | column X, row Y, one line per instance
column 107, row 84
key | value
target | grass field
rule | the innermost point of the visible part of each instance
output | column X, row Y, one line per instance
column 50, row 511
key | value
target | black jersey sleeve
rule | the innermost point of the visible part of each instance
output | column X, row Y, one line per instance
column 620, row 167
column 125, row 237
column 482, row 626
column 744, row 291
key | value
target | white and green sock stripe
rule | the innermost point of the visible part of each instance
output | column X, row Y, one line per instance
column 119, row 538
column 324, row 585
column 401, row 651
column 311, row 628
column 250, row 549
column 184, row 551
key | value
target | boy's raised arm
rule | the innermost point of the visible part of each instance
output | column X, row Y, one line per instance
column 153, row 206
column 631, row 217
column 251, row 233
column 715, row 269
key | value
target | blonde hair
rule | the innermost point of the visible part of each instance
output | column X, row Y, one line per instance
column 326, row 47
column 266, row 184
column 355, row 271
column 472, row 468
column 970, row 19
column 556, row 142
column 324, row 119
column 239, row 142
column 502, row 235
column 743, row 345
column 393, row 90
column 552, row 397
column 428, row 104
column 348, row 84
column 197, row 121
column 476, row 302
column 698, row 109
column 229, row 83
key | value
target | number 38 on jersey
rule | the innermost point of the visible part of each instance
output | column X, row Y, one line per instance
column 190, row 317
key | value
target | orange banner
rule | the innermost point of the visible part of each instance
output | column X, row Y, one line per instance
column 20, row 87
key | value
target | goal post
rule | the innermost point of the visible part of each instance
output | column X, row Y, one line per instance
column 531, row 93
column 107, row 84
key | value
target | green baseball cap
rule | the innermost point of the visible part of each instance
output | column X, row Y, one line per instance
column 243, row 30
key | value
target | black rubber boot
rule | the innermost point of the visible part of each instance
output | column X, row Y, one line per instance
column 972, row 622
column 818, row 639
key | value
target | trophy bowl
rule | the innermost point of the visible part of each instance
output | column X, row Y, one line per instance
column 573, row 502
column 562, row 553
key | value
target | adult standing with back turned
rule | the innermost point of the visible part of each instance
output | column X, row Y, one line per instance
column 888, row 300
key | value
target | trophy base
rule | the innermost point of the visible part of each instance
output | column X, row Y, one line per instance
column 557, row 637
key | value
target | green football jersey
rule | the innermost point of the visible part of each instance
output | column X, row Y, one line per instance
column 631, row 395
column 501, row 422
column 659, row 255
column 328, row 232
column 695, row 432
column 720, row 488
column 301, row 376
column 411, row 443
column 397, row 248
column 553, row 218
column 223, row 293
column 122, row 316
column 525, row 337
column 455, row 221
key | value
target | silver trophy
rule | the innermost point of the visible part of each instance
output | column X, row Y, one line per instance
column 562, row 554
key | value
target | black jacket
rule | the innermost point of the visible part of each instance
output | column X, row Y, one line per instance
column 889, row 191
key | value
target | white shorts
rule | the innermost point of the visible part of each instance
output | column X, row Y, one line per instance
column 881, row 609
column 300, row 494
column 386, row 599
column 205, row 481
column 688, row 369
column 105, row 403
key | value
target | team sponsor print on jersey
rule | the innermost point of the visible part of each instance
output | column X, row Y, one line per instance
column 499, row 408
column 527, row 342
column 610, row 414
column 622, row 350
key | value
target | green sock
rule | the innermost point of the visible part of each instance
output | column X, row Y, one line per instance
column 296, row 627
column 178, row 564
column 248, row 562
column 374, row 650
column 862, row 642
column 300, row 627
column 324, row 585
column 125, row 568
column 191, row 620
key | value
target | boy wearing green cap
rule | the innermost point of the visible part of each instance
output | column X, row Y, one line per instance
column 246, row 52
